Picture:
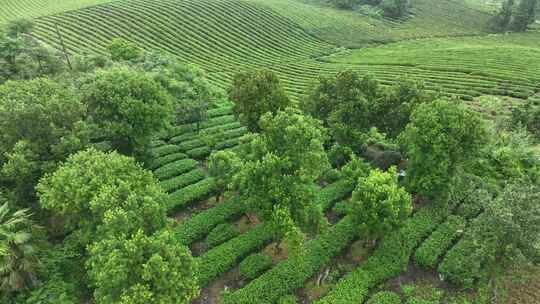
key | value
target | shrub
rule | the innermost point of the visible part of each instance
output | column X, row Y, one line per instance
column 221, row 259
column 175, row 168
column 389, row 259
column 202, row 223
column 164, row 150
column 163, row 160
column 190, row 194
column 293, row 272
column 254, row 265
column 221, row 233
column 183, row 180
column 439, row 241
column 385, row 297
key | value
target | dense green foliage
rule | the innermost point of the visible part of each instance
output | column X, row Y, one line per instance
column 254, row 265
column 440, row 136
column 93, row 187
column 281, row 165
column 220, row 234
column 82, row 91
column 142, row 269
column 128, row 107
column 378, row 204
column 255, row 94
column 351, row 106
column 19, row 262
column 42, row 123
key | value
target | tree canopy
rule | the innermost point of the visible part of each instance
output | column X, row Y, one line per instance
column 379, row 204
column 281, row 165
column 127, row 107
column 256, row 93
column 440, row 136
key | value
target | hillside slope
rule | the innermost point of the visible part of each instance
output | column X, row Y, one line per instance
column 228, row 36
column 15, row 9
column 428, row 18
column 223, row 36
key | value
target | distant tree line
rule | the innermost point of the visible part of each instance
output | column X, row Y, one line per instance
column 516, row 15
column 390, row 8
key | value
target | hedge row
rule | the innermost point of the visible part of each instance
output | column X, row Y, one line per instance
column 183, row 180
column 220, row 234
column 182, row 129
column 156, row 143
column 221, row 259
column 334, row 192
column 164, row 150
column 440, row 240
column 221, row 111
column 225, row 137
column 462, row 265
column 389, row 259
column 385, row 297
column 254, row 265
column 190, row 194
column 175, row 168
column 202, row 223
column 167, row 159
column 199, row 153
column 295, row 271
column 212, row 130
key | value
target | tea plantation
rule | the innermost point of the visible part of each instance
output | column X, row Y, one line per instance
column 269, row 151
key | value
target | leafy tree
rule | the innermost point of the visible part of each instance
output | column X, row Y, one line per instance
column 528, row 115
column 379, row 204
column 19, row 263
column 507, row 232
column 395, row 8
column 281, row 165
column 142, row 269
column 24, row 57
column 93, row 187
column 344, row 4
column 524, row 15
column 440, row 136
column 42, row 123
column 352, row 106
column 504, row 17
column 256, row 93
column 128, row 107
column 223, row 165
column 18, row 27
column 393, row 111
column 123, row 50
column 192, row 92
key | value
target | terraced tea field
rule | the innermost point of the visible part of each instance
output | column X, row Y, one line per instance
column 228, row 36
column 15, row 9
column 352, row 29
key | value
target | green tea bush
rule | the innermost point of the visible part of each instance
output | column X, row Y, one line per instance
column 221, row 233
column 164, row 150
column 175, row 168
column 163, row 160
column 190, row 194
column 439, row 241
column 183, row 180
column 254, row 265
column 202, row 223
column 295, row 271
column 224, row 257
column 389, row 259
